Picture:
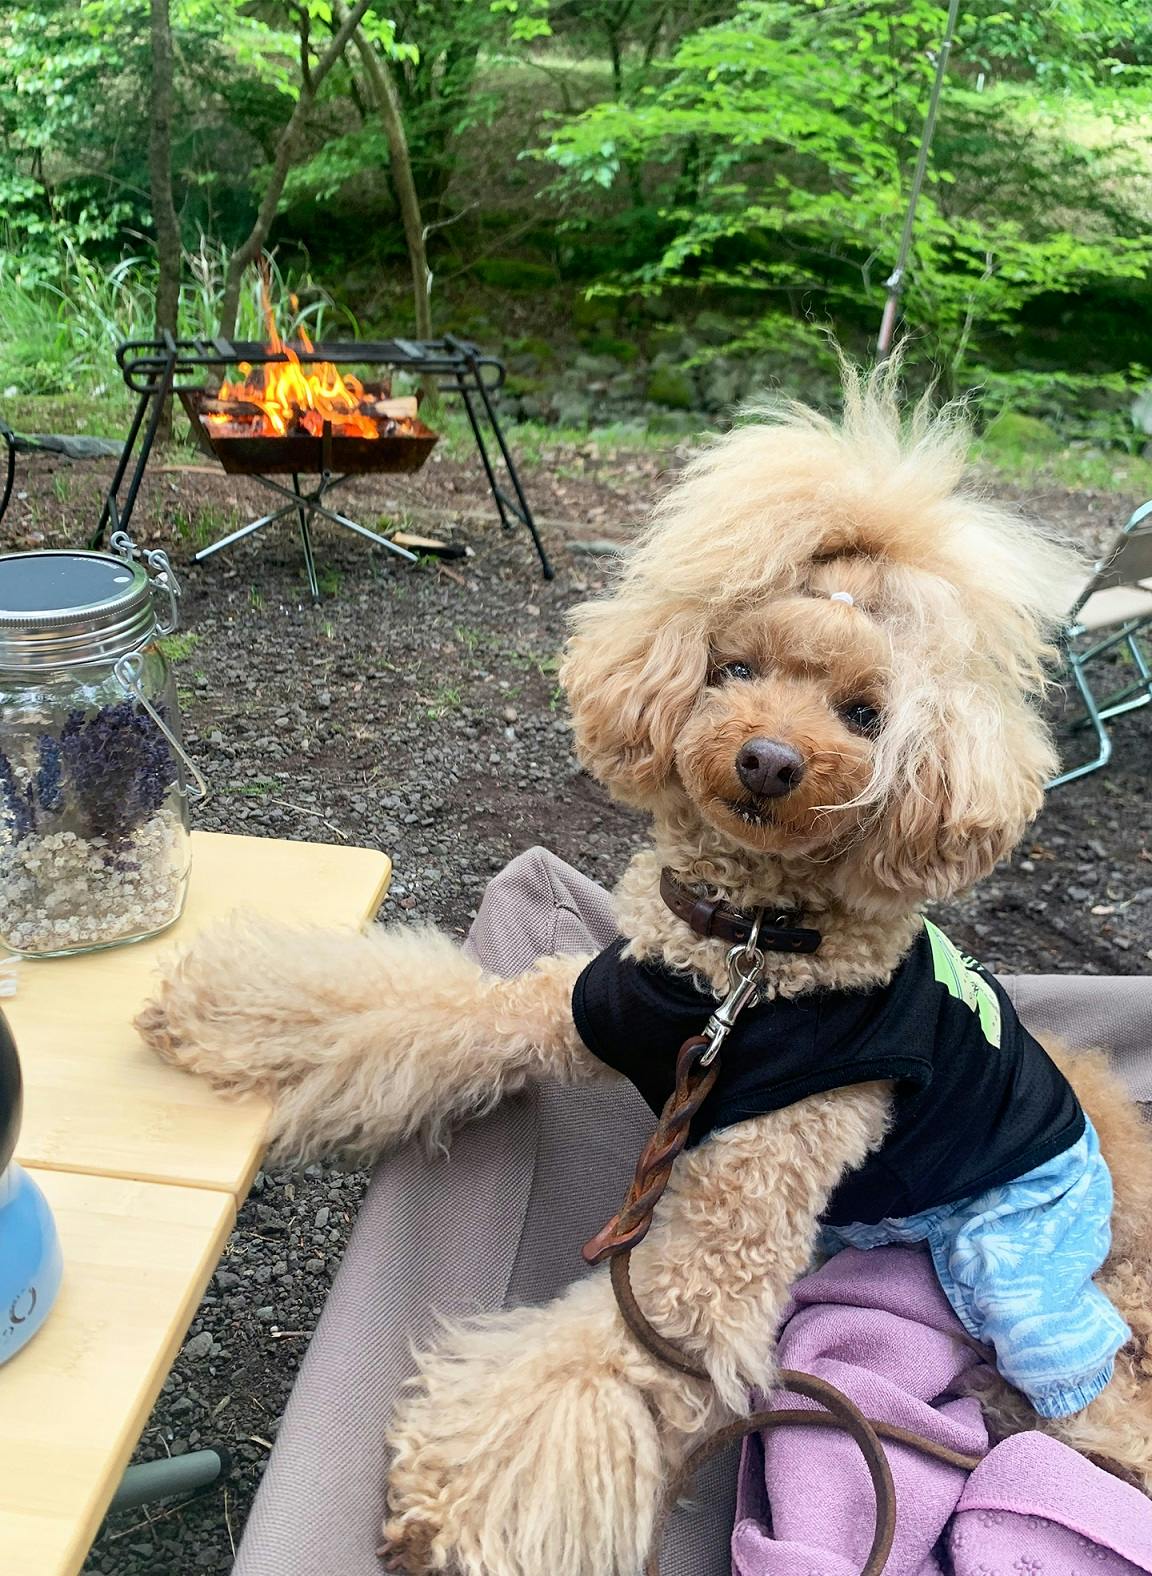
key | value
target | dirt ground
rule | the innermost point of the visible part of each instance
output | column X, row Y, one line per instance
column 416, row 710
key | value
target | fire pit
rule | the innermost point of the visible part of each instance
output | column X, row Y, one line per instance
column 298, row 418
column 293, row 412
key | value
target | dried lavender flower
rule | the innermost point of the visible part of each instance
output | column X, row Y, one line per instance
column 19, row 806
column 48, row 784
column 117, row 769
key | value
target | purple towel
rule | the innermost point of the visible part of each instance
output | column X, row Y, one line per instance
column 877, row 1325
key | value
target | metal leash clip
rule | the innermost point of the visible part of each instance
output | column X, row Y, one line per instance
column 745, row 974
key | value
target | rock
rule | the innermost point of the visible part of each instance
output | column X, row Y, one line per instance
column 1013, row 432
column 596, row 549
column 322, row 1217
column 572, row 407
column 722, row 383
column 671, row 387
column 198, row 1347
column 1141, row 410
column 714, row 328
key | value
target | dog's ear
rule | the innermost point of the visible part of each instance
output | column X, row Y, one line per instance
column 965, row 797
column 632, row 678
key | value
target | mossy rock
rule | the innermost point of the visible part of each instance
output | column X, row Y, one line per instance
column 672, row 388
column 1014, row 433
column 622, row 351
column 520, row 383
column 593, row 314
column 512, row 273
column 714, row 328
column 541, row 350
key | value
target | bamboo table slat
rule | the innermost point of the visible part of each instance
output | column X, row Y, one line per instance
column 137, row 1257
column 95, row 1099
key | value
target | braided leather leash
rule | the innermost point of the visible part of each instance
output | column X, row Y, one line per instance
column 629, row 1227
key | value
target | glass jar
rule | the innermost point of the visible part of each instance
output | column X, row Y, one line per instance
column 94, row 781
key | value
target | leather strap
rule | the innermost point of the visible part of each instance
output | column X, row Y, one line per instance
column 714, row 918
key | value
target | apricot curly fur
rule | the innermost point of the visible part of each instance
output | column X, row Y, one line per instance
column 358, row 1041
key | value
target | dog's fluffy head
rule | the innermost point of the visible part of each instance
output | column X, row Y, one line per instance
column 917, row 757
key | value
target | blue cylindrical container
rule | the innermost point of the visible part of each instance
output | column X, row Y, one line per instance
column 30, row 1263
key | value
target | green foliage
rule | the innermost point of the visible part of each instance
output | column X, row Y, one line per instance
column 510, row 273
column 776, row 148
column 736, row 170
column 62, row 334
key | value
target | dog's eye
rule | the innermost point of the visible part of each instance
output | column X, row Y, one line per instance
column 735, row 670
column 860, row 716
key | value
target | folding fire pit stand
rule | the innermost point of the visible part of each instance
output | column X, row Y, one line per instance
column 157, row 368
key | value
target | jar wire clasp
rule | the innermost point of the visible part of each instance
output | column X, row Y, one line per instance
column 128, row 671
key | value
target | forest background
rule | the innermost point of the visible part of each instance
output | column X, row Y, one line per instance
column 652, row 209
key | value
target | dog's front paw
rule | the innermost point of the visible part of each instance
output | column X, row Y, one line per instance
column 174, row 1026
column 524, row 1448
column 218, row 1011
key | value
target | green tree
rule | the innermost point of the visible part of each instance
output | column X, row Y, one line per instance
column 776, row 148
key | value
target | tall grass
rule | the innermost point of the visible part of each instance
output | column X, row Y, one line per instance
column 59, row 336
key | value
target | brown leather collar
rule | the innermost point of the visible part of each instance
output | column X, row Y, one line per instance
column 716, row 919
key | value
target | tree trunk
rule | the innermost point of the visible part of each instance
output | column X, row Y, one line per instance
column 167, row 225
column 391, row 116
column 249, row 249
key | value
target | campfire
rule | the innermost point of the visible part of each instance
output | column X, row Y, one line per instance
column 295, row 412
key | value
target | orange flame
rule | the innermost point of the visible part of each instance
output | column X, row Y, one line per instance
column 291, row 394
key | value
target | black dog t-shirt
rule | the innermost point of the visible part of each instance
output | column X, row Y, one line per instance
column 978, row 1102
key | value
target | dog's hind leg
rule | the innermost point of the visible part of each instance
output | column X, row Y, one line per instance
column 542, row 1440
column 360, row 1039
column 1115, row 1428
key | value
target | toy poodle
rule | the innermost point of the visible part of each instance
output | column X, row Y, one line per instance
column 818, row 671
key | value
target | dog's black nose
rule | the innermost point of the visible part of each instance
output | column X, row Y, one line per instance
column 768, row 768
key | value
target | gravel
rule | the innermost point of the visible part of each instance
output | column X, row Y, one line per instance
column 416, row 710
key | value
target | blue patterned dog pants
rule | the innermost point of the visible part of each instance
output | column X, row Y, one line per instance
column 1016, row 1263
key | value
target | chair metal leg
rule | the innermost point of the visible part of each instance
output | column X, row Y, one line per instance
column 1104, row 742
column 171, row 1477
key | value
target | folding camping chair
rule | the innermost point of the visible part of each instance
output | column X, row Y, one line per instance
column 499, row 1222
column 1112, row 613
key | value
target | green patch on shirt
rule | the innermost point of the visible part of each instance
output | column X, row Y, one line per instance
column 961, row 978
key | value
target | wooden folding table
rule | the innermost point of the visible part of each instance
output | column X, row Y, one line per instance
column 144, row 1168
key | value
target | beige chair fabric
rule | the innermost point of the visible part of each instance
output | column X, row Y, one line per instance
column 1116, row 605
column 500, row 1221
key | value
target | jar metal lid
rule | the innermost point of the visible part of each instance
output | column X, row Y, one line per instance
column 64, row 608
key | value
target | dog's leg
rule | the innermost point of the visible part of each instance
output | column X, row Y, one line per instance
column 541, row 1440
column 1115, row 1428
column 360, row 1039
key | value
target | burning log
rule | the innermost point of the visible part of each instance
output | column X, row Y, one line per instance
column 403, row 407
column 239, row 409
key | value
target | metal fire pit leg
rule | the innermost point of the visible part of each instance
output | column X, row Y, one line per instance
column 517, row 507
column 245, row 530
column 312, row 503
column 351, row 525
column 113, row 513
column 302, row 513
